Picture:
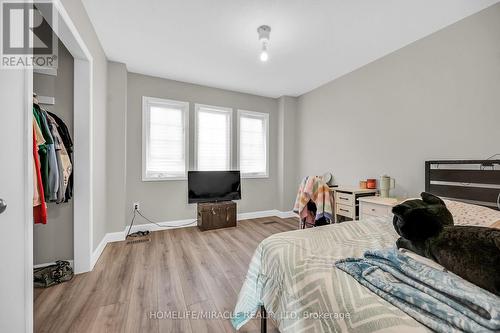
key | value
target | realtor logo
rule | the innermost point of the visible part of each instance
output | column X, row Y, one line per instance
column 28, row 40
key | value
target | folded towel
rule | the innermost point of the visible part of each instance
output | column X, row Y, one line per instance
column 437, row 298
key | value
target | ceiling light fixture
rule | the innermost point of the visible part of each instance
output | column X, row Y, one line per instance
column 264, row 32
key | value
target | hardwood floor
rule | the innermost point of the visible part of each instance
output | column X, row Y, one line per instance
column 177, row 270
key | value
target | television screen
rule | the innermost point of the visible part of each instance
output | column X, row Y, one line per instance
column 211, row 186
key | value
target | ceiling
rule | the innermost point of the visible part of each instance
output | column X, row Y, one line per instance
column 215, row 42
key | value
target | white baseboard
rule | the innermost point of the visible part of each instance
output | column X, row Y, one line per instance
column 256, row 215
column 110, row 237
column 120, row 235
column 98, row 251
column 115, row 236
column 53, row 263
column 285, row 215
column 164, row 226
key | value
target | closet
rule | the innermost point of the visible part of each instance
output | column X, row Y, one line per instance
column 53, row 220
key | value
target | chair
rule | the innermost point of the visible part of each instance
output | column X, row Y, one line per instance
column 311, row 207
column 313, row 194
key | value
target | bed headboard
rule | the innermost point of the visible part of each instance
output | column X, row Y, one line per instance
column 473, row 181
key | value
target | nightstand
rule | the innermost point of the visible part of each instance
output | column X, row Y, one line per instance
column 376, row 206
column 346, row 202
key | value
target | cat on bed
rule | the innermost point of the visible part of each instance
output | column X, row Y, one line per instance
column 426, row 228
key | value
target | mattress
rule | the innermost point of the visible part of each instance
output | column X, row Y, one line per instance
column 293, row 276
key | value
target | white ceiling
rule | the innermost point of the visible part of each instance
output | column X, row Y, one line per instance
column 215, row 42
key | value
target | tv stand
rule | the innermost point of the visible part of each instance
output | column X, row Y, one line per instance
column 216, row 215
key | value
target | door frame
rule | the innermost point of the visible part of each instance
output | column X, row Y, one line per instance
column 67, row 32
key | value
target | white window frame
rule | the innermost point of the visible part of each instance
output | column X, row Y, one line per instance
column 147, row 102
column 221, row 109
column 265, row 116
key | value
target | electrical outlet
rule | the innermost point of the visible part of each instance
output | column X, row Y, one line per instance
column 136, row 206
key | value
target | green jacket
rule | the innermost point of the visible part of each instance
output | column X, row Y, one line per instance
column 48, row 160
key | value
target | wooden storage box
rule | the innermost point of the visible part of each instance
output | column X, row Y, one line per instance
column 216, row 215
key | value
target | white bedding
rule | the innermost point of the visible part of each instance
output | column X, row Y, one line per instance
column 293, row 274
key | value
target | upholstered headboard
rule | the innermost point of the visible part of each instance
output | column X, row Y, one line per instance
column 473, row 181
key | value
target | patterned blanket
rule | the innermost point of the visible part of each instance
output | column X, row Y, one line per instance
column 315, row 189
column 435, row 297
column 292, row 275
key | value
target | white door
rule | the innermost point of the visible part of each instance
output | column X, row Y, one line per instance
column 16, row 246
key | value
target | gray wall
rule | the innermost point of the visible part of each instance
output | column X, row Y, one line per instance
column 287, row 153
column 167, row 200
column 437, row 98
column 54, row 240
column 86, row 30
column 116, row 163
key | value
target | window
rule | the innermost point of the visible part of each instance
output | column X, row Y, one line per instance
column 253, row 129
column 213, row 138
column 165, row 139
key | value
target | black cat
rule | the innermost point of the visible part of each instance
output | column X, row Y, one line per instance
column 426, row 228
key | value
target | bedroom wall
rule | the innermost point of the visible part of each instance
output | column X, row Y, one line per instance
column 167, row 200
column 437, row 98
column 116, row 146
column 287, row 153
column 54, row 240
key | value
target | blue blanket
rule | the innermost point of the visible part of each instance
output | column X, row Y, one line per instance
column 437, row 298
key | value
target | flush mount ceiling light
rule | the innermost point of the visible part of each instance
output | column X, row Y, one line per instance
column 264, row 32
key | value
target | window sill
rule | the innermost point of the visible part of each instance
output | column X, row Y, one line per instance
column 250, row 176
column 162, row 179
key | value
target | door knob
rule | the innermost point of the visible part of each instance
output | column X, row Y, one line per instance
column 3, row 206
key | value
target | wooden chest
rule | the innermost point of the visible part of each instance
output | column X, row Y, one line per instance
column 216, row 215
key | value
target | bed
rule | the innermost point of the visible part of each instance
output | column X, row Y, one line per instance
column 292, row 274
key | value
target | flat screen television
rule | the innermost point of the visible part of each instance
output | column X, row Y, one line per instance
column 212, row 186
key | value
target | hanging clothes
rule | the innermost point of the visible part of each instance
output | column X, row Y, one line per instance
column 52, row 184
column 68, row 145
column 37, row 183
column 39, row 205
column 52, row 162
column 42, row 150
column 63, row 160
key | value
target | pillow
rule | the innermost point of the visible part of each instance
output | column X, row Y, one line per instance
column 469, row 214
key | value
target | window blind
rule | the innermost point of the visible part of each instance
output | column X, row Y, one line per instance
column 253, row 143
column 166, row 140
column 213, row 138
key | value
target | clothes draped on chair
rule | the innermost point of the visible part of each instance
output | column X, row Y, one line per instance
column 314, row 193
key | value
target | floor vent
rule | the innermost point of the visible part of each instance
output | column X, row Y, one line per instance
column 135, row 241
column 269, row 222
